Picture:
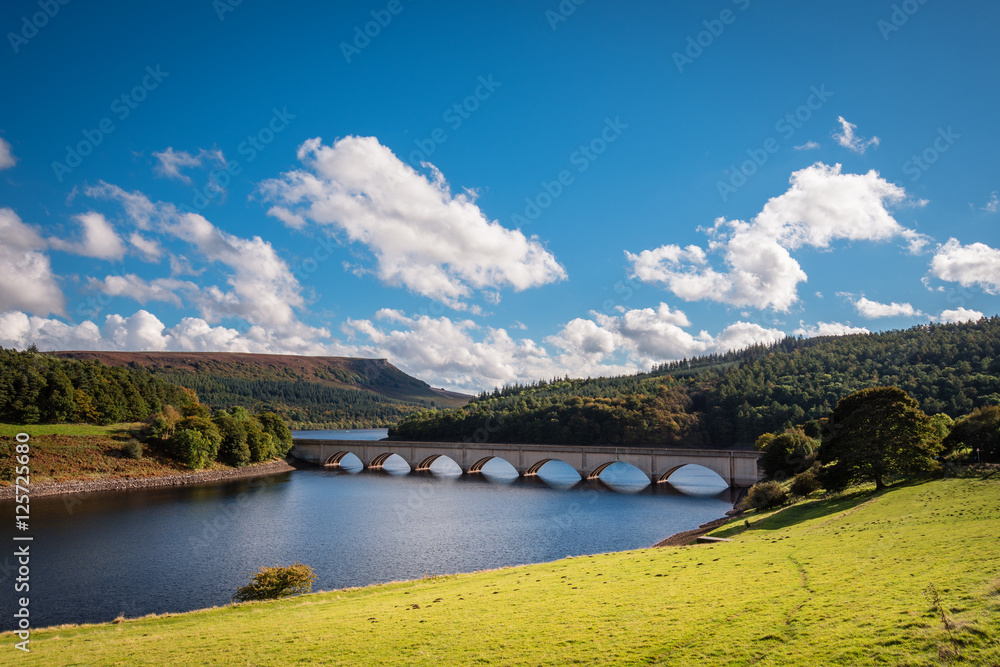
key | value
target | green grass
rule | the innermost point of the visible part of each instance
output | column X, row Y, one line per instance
column 842, row 581
column 10, row 430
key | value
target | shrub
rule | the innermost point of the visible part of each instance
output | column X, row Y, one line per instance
column 786, row 453
column 764, row 495
column 271, row 583
column 132, row 449
column 259, row 441
column 7, row 461
column 190, row 447
column 234, row 450
column 805, row 483
column 280, row 434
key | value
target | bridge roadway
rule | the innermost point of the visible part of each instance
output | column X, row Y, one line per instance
column 737, row 467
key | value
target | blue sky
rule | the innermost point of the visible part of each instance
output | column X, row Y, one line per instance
column 493, row 192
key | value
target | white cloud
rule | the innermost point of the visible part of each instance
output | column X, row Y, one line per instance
column 821, row 206
column 874, row 309
column 144, row 331
column 26, row 281
column 808, row 146
column 973, row 264
column 7, row 159
column 264, row 291
column 959, row 315
column 149, row 248
column 134, row 287
column 423, row 237
column 993, row 204
column 827, row 329
column 170, row 162
column 99, row 239
column 849, row 140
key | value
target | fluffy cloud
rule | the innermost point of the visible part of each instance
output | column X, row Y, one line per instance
column 170, row 162
column 849, row 140
column 646, row 336
column 993, row 204
column 26, row 281
column 99, row 239
column 874, row 309
column 827, row 329
column 822, row 205
column 973, row 264
column 959, row 315
column 144, row 331
column 263, row 290
column 7, row 159
column 423, row 237
column 149, row 249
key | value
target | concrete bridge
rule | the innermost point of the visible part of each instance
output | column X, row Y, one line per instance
column 737, row 467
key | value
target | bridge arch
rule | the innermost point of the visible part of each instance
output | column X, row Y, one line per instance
column 424, row 465
column 378, row 462
column 477, row 467
column 596, row 473
column 537, row 466
column 335, row 460
column 722, row 474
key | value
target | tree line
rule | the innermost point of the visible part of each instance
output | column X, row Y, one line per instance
column 40, row 388
column 729, row 400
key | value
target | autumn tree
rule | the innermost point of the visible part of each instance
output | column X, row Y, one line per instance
column 875, row 433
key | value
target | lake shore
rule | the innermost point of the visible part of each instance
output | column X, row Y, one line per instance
column 127, row 483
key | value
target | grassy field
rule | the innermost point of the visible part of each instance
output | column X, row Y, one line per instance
column 65, row 452
column 910, row 576
column 10, row 430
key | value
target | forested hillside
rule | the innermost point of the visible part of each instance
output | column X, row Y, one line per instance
column 308, row 392
column 729, row 400
column 40, row 388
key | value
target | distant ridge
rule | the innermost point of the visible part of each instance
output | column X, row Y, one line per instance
column 310, row 392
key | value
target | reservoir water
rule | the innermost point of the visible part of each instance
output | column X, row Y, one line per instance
column 175, row 549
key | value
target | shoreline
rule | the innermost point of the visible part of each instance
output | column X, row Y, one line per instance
column 130, row 483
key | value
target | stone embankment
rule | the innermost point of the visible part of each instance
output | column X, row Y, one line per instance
column 124, row 484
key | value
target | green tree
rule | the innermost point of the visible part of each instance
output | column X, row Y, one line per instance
column 234, row 450
column 190, row 447
column 979, row 430
column 271, row 583
column 875, row 433
column 786, row 454
column 281, row 436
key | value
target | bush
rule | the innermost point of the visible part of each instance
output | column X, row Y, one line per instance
column 259, row 441
column 191, row 448
column 281, row 436
column 234, row 450
column 271, row 583
column 786, row 453
column 132, row 449
column 763, row 496
column 805, row 483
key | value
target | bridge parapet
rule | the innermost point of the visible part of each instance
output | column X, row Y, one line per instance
column 737, row 467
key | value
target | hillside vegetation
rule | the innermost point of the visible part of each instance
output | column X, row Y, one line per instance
column 728, row 400
column 40, row 388
column 903, row 577
column 308, row 392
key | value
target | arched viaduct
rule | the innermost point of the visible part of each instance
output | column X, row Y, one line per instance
column 737, row 467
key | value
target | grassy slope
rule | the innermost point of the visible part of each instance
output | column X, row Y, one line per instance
column 837, row 581
column 80, row 452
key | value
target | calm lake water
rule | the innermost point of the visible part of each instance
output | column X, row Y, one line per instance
column 177, row 549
